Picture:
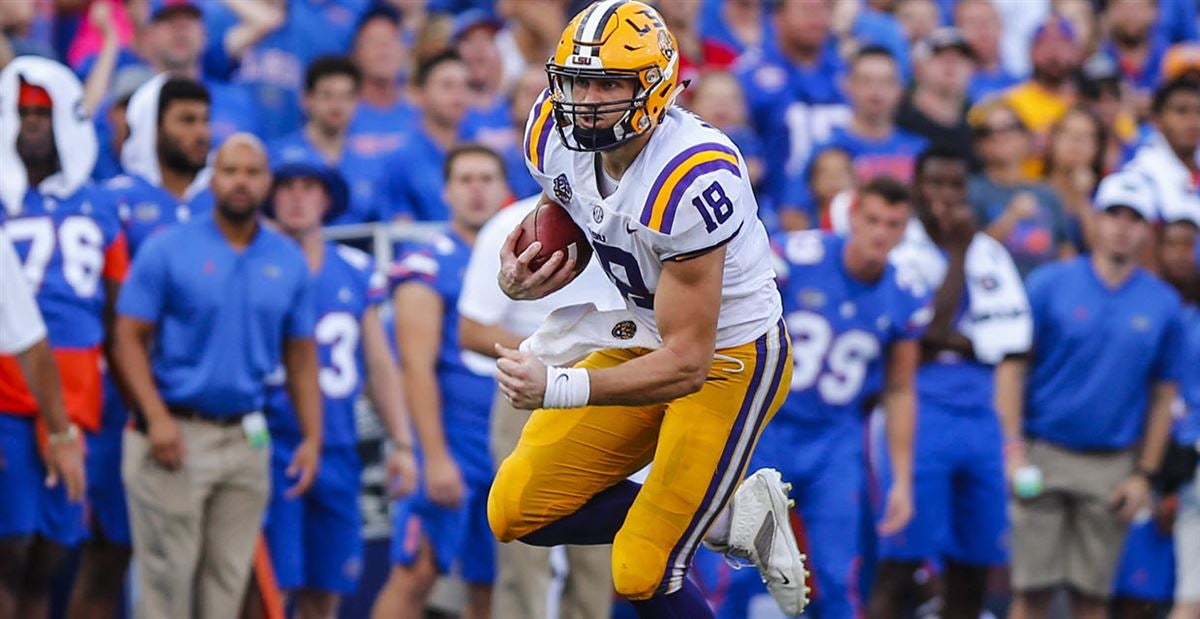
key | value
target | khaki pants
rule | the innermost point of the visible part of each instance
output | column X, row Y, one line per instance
column 523, row 571
column 1068, row 535
column 194, row 529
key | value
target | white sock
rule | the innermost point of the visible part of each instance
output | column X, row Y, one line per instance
column 718, row 534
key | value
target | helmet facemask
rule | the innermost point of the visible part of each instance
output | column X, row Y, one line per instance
column 587, row 136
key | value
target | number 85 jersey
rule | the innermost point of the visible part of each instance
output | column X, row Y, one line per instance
column 688, row 192
column 841, row 327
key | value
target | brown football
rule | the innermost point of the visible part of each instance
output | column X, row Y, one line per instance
column 550, row 224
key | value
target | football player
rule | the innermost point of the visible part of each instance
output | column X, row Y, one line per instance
column 450, row 398
column 165, row 182
column 315, row 540
column 667, row 204
column 74, row 255
column 852, row 317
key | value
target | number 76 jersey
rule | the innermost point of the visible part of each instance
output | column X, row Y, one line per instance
column 841, row 327
column 688, row 192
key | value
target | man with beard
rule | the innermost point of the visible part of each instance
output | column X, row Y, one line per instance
column 73, row 255
column 225, row 301
column 165, row 183
column 1045, row 97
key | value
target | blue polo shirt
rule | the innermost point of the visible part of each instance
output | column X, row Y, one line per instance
column 417, row 192
column 378, row 132
column 221, row 316
column 1097, row 352
column 1187, row 428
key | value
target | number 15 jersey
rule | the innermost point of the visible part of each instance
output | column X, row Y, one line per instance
column 686, row 193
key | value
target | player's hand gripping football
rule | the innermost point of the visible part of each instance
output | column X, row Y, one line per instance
column 520, row 281
column 521, row 377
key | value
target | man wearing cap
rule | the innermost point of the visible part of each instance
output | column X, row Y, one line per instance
column 1040, row 101
column 225, row 301
column 73, row 253
column 1087, row 414
column 315, row 540
column 1167, row 157
column 331, row 87
column 936, row 106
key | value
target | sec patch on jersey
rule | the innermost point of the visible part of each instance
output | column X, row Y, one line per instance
column 550, row 225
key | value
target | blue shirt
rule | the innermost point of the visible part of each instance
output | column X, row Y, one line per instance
column 984, row 83
column 792, row 108
column 1097, row 352
column 1187, row 428
column 379, row 132
column 892, row 156
column 954, row 384
column 146, row 209
column 466, row 396
column 841, row 327
column 221, row 317
column 364, row 175
column 416, row 192
column 345, row 288
column 272, row 71
column 1148, row 77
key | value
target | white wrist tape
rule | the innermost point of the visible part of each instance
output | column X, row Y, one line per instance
column 566, row 388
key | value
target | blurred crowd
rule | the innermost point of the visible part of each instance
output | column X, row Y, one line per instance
column 378, row 101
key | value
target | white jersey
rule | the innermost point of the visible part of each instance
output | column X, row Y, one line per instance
column 686, row 193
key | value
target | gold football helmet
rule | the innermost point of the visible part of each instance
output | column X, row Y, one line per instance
column 614, row 39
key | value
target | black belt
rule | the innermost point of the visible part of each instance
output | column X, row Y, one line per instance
column 190, row 414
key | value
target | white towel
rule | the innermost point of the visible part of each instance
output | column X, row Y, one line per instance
column 74, row 134
column 573, row 332
column 997, row 321
column 139, row 153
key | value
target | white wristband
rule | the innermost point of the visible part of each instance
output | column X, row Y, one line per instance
column 566, row 388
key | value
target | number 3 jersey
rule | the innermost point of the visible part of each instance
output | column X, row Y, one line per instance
column 841, row 327
column 686, row 193
column 347, row 286
column 68, row 248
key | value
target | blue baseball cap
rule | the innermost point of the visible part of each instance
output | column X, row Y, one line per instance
column 297, row 163
column 471, row 19
column 162, row 9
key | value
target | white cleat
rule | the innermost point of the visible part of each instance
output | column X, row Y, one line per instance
column 760, row 532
